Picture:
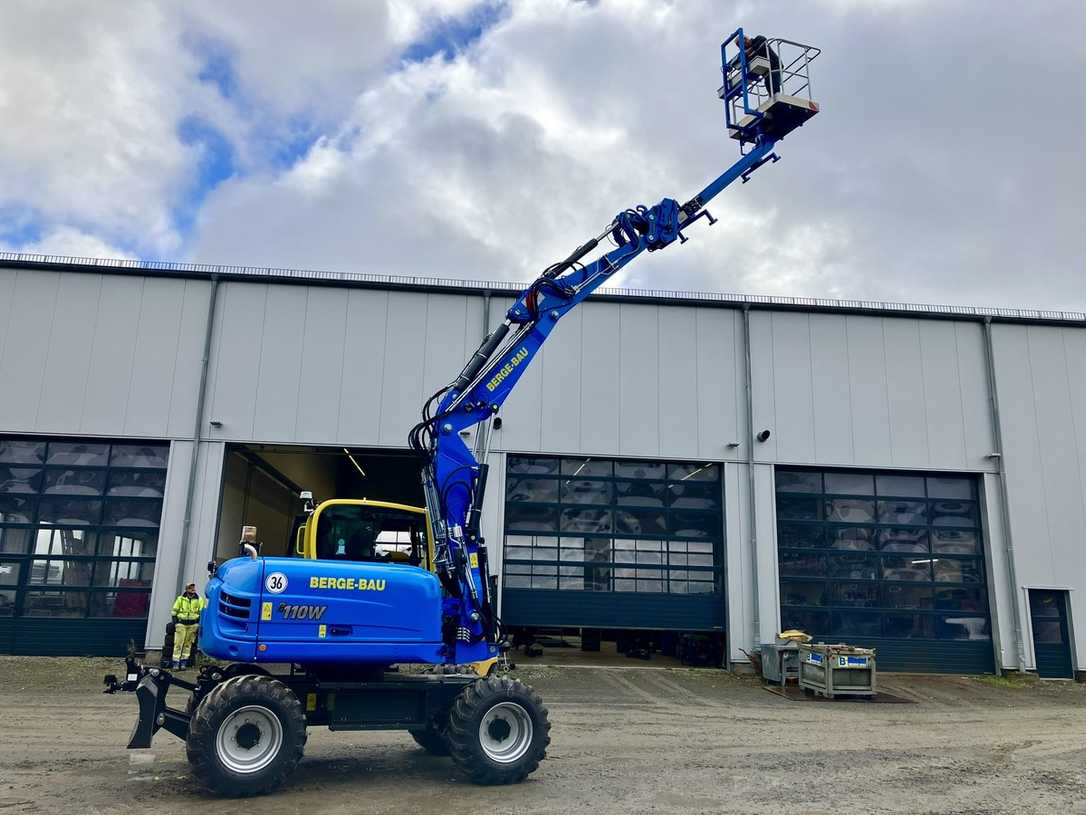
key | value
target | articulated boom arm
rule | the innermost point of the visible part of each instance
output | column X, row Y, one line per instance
column 454, row 476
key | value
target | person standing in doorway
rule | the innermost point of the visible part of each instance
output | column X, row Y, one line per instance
column 186, row 619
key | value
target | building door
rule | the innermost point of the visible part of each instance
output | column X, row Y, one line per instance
column 1051, row 634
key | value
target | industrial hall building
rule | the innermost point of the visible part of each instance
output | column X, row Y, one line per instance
column 910, row 478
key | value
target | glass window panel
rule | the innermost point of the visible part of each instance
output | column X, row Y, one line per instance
column 795, row 508
column 42, row 541
column 676, row 586
column 545, row 553
column 908, row 626
column 640, row 494
column 545, row 519
column 597, row 550
column 580, row 491
column 650, row 558
column 78, row 454
column 953, row 513
column 68, row 542
column 139, row 455
column 855, row 538
column 808, row 620
column 20, row 479
column 544, row 582
column 700, row 587
column 955, row 542
column 904, row 540
column 850, row 483
column 800, row 536
column 678, row 546
column 9, row 572
column 576, row 519
column 654, row 586
column 128, row 544
column 571, row 582
column 524, row 465
column 850, row 510
column 700, row 546
column 798, row 481
column 632, row 521
column 690, row 524
column 906, row 568
column 801, row 564
column 952, row 570
column 120, row 603
column 74, row 482
column 694, row 495
column 145, row 484
column 1044, row 605
column 699, row 560
column 962, row 627
column 585, row 467
column 518, row 552
column 693, row 472
column 544, row 569
column 518, row 568
column 625, row 584
column 852, row 566
column 961, row 598
column 7, row 602
column 856, row 623
column 15, row 451
column 16, row 509
column 60, row 572
column 803, row 593
column 903, row 512
column 624, row 550
column 55, row 604
column 543, row 490
column 130, row 512
column 640, row 469
column 903, row 595
column 900, row 486
column 15, row 541
column 123, row 574
column 677, row 559
column 568, row 552
column 949, row 487
column 517, row 581
column 864, row 595
column 1047, row 632
column 70, row 511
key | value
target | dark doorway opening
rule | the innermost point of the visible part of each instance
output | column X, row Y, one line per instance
column 1051, row 634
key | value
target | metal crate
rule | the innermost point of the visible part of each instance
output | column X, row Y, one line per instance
column 780, row 661
column 837, row 670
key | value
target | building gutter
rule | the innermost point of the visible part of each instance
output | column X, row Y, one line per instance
column 197, row 433
column 756, row 623
column 1005, row 510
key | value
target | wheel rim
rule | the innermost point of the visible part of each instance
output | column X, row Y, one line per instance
column 505, row 733
column 249, row 739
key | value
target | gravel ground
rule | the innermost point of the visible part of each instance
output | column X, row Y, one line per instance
column 626, row 740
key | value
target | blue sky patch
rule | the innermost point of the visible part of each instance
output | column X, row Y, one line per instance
column 215, row 164
column 452, row 35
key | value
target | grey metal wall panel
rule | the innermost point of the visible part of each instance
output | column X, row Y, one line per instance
column 26, row 345
column 113, row 353
column 601, row 378
column 738, row 569
column 235, row 369
column 868, row 391
column 401, row 394
column 7, row 304
column 278, row 391
column 560, row 400
column 189, row 357
column 762, row 384
column 67, row 367
column 903, row 361
column 976, row 412
column 639, row 378
column 167, row 564
column 793, row 376
column 363, row 365
column 680, row 394
column 942, row 390
column 323, row 351
column 830, row 385
column 157, row 338
column 721, row 361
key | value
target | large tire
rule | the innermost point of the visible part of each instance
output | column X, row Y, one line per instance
column 432, row 740
column 246, row 736
column 498, row 731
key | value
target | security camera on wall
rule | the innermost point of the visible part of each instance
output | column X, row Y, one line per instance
column 763, row 436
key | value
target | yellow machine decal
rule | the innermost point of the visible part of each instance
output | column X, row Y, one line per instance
column 310, row 702
column 265, row 611
column 508, row 368
column 322, row 632
column 474, row 560
column 346, row 584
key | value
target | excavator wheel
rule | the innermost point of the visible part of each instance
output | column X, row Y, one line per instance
column 498, row 731
column 246, row 736
column 432, row 740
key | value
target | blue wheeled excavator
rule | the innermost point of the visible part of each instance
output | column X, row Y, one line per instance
column 341, row 617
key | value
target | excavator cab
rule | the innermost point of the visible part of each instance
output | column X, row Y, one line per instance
column 767, row 87
column 359, row 530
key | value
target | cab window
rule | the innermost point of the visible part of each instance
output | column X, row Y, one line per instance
column 360, row 533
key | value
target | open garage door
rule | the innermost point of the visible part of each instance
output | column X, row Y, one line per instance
column 261, row 486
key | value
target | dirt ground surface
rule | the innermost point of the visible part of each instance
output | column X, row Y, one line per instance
column 624, row 740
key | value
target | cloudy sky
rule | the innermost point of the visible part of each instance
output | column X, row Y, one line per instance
column 485, row 138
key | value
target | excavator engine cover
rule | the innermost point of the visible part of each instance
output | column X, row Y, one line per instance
column 321, row 611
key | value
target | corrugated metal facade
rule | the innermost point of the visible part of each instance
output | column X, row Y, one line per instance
column 92, row 353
